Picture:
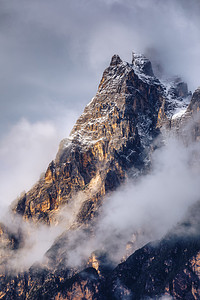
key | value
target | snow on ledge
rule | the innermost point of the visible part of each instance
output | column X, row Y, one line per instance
column 179, row 113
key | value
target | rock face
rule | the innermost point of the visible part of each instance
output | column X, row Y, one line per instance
column 195, row 102
column 111, row 141
column 187, row 124
column 169, row 268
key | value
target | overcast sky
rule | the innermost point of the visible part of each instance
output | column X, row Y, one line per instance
column 52, row 55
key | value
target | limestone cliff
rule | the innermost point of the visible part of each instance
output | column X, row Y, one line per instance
column 113, row 134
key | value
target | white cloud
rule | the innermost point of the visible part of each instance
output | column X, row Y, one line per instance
column 166, row 297
column 26, row 151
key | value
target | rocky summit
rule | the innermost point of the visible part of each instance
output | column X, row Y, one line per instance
column 111, row 144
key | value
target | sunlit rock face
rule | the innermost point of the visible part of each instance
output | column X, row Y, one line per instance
column 112, row 141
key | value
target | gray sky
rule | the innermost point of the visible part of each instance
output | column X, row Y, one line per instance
column 52, row 55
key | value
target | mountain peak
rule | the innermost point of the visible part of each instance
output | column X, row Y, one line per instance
column 142, row 64
column 115, row 60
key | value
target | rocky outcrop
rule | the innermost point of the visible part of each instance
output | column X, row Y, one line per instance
column 195, row 101
column 166, row 268
column 187, row 125
column 143, row 64
column 39, row 283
